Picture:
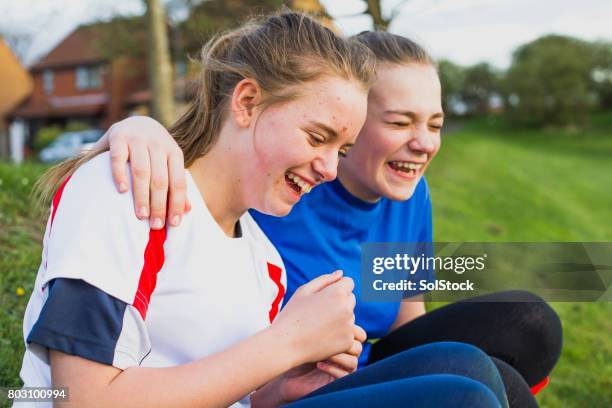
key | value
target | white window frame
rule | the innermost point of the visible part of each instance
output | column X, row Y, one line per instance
column 88, row 77
column 47, row 77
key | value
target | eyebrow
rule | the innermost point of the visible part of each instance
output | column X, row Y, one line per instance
column 327, row 129
column 330, row 131
column 413, row 115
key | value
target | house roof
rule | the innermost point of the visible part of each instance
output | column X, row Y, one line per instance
column 73, row 50
column 61, row 106
column 97, row 42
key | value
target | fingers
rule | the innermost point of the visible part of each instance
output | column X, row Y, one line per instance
column 320, row 282
column 119, row 157
column 344, row 361
column 348, row 284
column 360, row 334
column 355, row 349
column 158, row 188
column 333, row 370
column 177, row 199
column 140, row 166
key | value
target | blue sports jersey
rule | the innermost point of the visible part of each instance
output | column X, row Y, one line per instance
column 324, row 232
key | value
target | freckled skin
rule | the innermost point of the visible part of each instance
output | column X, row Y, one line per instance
column 280, row 141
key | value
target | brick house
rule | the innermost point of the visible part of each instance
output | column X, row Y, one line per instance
column 75, row 81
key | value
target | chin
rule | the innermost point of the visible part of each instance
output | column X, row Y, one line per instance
column 278, row 209
column 400, row 194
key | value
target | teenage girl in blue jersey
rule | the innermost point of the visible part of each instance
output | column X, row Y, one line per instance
column 268, row 91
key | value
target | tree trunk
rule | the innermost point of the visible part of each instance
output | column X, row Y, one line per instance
column 160, row 68
column 375, row 11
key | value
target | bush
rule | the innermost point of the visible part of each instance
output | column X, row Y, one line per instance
column 45, row 136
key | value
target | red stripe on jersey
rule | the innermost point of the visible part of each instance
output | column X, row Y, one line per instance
column 153, row 262
column 275, row 274
column 55, row 203
column 538, row 387
column 56, row 200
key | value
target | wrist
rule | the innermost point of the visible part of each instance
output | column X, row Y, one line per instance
column 288, row 350
column 268, row 396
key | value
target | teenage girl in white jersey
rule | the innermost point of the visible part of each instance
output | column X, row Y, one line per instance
column 249, row 134
column 126, row 315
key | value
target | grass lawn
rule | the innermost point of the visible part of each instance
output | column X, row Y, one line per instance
column 488, row 184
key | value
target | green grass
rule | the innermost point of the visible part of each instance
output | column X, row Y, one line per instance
column 489, row 183
column 21, row 233
column 492, row 183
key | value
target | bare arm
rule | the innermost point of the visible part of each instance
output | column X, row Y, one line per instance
column 322, row 309
column 409, row 310
column 215, row 381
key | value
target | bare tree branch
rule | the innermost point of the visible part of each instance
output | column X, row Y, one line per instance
column 375, row 11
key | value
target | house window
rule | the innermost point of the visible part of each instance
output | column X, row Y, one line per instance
column 88, row 77
column 48, row 81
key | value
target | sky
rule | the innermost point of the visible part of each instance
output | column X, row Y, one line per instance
column 464, row 31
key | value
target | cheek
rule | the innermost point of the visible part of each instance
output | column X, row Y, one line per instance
column 272, row 147
column 384, row 146
column 437, row 143
column 372, row 146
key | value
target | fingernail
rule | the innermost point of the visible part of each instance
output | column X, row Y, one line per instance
column 157, row 223
column 176, row 220
column 143, row 212
column 123, row 187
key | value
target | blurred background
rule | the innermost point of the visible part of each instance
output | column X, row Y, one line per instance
column 527, row 145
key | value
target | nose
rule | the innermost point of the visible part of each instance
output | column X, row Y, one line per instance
column 422, row 140
column 325, row 165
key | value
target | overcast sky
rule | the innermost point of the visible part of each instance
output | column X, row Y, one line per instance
column 465, row 31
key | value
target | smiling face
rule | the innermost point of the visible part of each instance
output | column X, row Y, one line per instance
column 297, row 144
column 400, row 136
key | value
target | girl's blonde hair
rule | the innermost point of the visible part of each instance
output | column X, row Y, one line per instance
column 278, row 52
column 393, row 48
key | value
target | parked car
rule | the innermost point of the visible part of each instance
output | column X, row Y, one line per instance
column 69, row 144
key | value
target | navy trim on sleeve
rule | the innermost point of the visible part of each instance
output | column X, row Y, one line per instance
column 79, row 319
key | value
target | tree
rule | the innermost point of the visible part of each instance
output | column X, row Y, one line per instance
column 548, row 82
column 601, row 74
column 480, row 85
column 207, row 18
column 380, row 19
column 452, row 78
column 160, row 68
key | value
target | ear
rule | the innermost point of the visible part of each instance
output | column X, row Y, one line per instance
column 245, row 98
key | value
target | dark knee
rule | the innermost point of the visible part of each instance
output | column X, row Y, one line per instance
column 538, row 330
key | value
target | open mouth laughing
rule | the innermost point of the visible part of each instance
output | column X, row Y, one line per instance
column 297, row 183
column 405, row 169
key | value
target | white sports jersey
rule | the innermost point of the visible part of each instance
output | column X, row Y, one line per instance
column 112, row 290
